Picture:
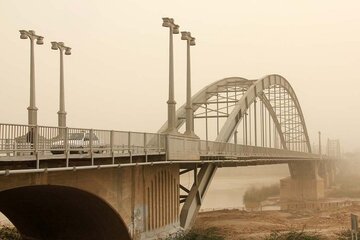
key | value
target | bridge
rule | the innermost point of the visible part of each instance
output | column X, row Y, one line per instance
column 127, row 185
column 74, row 183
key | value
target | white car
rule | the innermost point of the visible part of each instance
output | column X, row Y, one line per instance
column 77, row 143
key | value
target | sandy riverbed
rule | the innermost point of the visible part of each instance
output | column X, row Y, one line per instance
column 236, row 224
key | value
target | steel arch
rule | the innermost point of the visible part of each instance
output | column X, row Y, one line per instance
column 257, row 90
column 254, row 89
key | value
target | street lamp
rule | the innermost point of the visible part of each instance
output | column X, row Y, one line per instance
column 189, row 110
column 174, row 29
column 32, row 109
column 61, row 113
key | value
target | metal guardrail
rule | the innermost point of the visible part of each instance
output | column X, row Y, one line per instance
column 210, row 149
column 24, row 140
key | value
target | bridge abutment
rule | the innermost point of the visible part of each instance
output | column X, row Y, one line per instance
column 302, row 186
column 115, row 203
column 301, row 189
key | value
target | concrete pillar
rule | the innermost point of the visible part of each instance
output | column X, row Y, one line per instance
column 303, row 185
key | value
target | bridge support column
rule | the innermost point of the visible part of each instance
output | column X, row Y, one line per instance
column 332, row 173
column 302, row 186
column 327, row 172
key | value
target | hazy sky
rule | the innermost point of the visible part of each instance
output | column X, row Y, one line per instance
column 117, row 76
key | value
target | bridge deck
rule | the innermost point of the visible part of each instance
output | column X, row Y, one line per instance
column 39, row 148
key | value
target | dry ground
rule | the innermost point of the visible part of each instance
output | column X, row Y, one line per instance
column 236, row 224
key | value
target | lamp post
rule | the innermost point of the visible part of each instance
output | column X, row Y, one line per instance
column 174, row 29
column 189, row 110
column 32, row 109
column 61, row 113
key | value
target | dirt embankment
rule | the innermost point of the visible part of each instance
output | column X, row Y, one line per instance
column 235, row 224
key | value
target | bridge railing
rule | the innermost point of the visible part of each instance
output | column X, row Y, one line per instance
column 213, row 149
column 23, row 140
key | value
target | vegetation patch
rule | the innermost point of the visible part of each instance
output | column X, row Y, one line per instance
column 348, row 186
column 258, row 195
column 200, row 234
column 345, row 235
column 9, row 233
column 294, row 235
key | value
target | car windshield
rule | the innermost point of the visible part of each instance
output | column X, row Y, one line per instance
column 76, row 136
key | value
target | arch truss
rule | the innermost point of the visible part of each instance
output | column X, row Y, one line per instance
column 263, row 113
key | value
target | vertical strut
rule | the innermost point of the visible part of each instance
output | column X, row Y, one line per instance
column 274, row 127
column 217, row 113
column 250, row 142
column 280, row 108
column 283, row 117
column 227, row 101
column 301, row 134
column 274, row 135
column 243, row 130
column 265, row 127
column 255, row 122
column 246, row 142
column 292, row 124
column 206, row 122
column 262, row 123
column 269, row 94
column 275, row 109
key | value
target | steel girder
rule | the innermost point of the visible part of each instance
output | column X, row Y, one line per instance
column 197, row 192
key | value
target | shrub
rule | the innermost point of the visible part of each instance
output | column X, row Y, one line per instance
column 294, row 235
column 345, row 235
column 348, row 186
column 254, row 194
column 9, row 233
column 197, row 234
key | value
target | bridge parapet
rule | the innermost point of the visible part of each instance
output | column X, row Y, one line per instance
column 35, row 143
column 222, row 149
column 39, row 142
column 182, row 147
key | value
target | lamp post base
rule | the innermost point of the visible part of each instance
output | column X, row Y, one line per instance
column 61, row 124
column 191, row 134
column 32, row 115
column 172, row 120
column 61, row 118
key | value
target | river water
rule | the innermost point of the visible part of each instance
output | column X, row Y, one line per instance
column 229, row 184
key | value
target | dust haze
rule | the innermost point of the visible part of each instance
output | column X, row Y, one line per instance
column 116, row 77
